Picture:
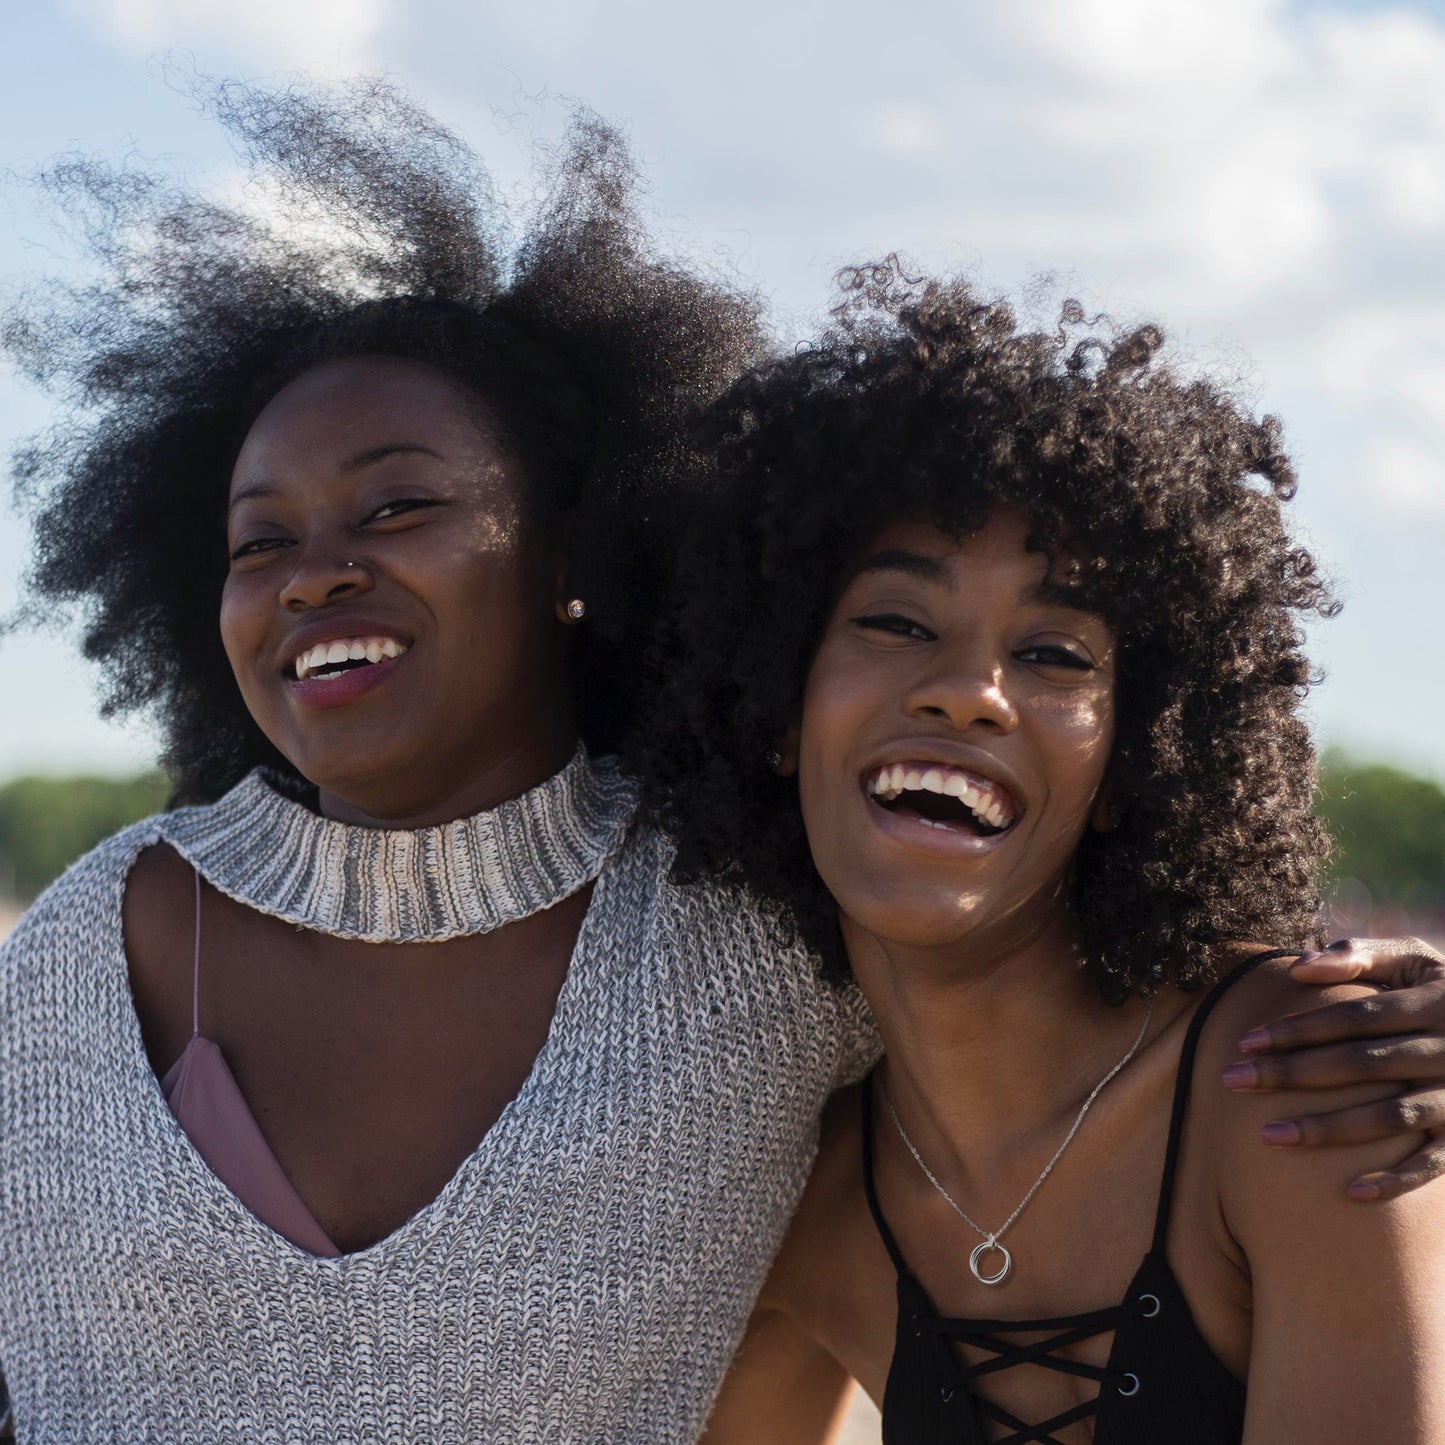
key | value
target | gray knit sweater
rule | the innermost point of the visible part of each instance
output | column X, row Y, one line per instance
column 585, row 1275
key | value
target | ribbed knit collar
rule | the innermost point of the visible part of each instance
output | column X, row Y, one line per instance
column 408, row 885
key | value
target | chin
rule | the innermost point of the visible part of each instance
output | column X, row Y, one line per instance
column 914, row 923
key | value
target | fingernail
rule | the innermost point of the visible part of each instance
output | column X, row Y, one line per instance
column 1239, row 1076
column 1364, row 1189
column 1256, row 1041
column 1309, row 957
column 1281, row 1132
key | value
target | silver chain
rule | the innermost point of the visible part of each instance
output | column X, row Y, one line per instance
column 991, row 1238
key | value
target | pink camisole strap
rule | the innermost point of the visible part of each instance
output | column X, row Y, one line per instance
column 208, row 1104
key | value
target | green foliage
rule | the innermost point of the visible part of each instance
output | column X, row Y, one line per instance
column 47, row 823
column 1389, row 830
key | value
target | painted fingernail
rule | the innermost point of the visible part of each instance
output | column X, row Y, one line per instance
column 1256, row 1041
column 1309, row 957
column 1364, row 1189
column 1239, row 1076
column 1281, row 1132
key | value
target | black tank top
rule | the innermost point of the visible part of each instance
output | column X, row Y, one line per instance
column 1162, row 1382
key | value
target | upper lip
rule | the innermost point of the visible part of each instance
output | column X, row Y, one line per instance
column 335, row 629
column 951, row 755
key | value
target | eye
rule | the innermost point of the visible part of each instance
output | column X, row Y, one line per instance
column 1055, row 654
column 895, row 624
column 258, row 546
column 400, row 507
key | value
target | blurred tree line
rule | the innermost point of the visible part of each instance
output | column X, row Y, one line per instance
column 1388, row 827
column 47, row 823
column 1387, row 870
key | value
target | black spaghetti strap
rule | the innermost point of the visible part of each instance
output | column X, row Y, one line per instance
column 1185, row 1079
column 870, row 1188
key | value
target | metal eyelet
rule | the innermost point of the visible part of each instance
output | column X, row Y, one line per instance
column 1131, row 1390
column 1149, row 1314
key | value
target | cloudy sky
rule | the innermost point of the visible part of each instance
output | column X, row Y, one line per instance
column 1266, row 177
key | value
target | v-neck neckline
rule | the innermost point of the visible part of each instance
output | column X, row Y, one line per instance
column 506, row 1134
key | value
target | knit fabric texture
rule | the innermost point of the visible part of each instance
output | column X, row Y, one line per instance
column 584, row 1276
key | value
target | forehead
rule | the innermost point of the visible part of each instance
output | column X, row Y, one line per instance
column 997, row 549
column 344, row 407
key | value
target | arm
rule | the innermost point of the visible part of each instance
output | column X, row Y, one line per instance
column 1398, row 1036
column 783, row 1388
column 1348, row 1335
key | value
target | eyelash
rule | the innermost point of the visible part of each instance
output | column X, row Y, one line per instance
column 398, row 508
column 1045, row 654
column 896, row 624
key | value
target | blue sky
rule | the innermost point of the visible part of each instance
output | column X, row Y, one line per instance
column 1267, row 178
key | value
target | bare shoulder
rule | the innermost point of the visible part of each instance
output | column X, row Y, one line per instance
column 828, row 1215
column 1256, row 1180
column 1339, row 1327
column 158, row 924
column 1264, row 994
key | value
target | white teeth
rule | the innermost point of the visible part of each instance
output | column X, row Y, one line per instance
column 892, row 779
column 349, row 649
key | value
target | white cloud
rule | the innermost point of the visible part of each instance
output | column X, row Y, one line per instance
column 908, row 130
column 1407, row 475
column 318, row 34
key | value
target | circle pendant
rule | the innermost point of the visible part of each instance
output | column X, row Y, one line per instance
column 990, row 1246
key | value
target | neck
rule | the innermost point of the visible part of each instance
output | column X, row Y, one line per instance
column 990, row 1047
column 492, row 781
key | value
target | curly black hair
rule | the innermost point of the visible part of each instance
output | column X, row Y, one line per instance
column 590, row 350
column 924, row 401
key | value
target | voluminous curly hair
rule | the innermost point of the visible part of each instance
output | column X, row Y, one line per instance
column 377, row 233
column 1163, row 494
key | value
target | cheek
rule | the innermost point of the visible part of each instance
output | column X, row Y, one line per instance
column 242, row 622
column 839, row 702
column 1082, row 731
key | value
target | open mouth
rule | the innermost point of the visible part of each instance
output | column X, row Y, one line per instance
column 346, row 654
column 944, row 797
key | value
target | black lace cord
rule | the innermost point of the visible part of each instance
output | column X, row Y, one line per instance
column 1026, row 1434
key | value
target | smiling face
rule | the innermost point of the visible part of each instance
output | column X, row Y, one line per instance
column 390, row 615
column 956, row 727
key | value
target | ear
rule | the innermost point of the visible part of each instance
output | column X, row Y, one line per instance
column 785, row 750
column 562, row 589
column 1104, row 816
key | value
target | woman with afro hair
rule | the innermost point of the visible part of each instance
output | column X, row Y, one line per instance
column 986, row 680
column 386, row 1088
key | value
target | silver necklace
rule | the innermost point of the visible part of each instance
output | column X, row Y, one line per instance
column 991, row 1239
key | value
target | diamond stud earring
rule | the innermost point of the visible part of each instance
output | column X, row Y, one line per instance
column 576, row 609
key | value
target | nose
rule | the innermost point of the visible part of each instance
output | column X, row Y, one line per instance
column 966, row 687
column 323, row 575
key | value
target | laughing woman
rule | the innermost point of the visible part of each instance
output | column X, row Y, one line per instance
column 387, row 1091
column 1019, row 617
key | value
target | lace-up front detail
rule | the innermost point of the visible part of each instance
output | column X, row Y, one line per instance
column 1069, row 1330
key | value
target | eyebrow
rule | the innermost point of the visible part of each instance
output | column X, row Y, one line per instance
column 931, row 569
column 367, row 458
column 915, row 564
